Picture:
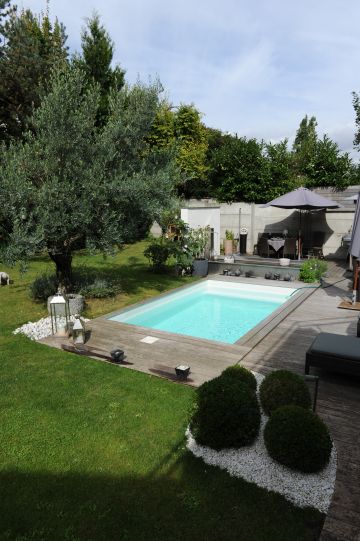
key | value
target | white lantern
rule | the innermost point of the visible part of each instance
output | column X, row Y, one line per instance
column 78, row 331
column 59, row 314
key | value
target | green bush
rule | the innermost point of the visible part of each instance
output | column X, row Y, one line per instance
column 158, row 252
column 43, row 286
column 240, row 374
column 227, row 414
column 99, row 289
column 298, row 438
column 283, row 388
column 312, row 270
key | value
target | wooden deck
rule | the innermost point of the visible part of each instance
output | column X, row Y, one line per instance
column 283, row 347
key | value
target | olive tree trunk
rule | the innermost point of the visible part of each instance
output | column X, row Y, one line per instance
column 63, row 263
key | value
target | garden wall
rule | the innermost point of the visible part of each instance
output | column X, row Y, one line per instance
column 333, row 223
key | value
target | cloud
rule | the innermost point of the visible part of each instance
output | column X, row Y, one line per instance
column 255, row 68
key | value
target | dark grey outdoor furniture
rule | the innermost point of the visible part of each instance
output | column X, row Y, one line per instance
column 334, row 352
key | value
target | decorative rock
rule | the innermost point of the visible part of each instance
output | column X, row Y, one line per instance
column 39, row 329
column 4, row 279
column 268, row 275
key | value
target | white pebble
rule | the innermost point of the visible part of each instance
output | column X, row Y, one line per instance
column 40, row 329
column 253, row 464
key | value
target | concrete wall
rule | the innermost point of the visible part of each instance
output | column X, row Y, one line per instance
column 333, row 223
column 204, row 216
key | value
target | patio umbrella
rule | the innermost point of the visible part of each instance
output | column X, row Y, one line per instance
column 301, row 199
column 354, row 249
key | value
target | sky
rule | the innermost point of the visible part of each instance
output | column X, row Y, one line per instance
column 254, row 68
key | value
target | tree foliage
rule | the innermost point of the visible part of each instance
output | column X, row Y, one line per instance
column 69, row 181
column 30, row 48
column 97, row 56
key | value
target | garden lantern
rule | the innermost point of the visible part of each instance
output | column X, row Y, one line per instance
column 59, row 314
column 182, row 371
column 78, row 331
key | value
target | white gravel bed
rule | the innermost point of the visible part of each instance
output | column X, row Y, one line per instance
column 42, row 328
column 253, row 464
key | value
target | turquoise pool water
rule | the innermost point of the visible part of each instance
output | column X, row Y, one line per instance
column 222, row 311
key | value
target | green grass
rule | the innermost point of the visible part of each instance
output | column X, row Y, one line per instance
column 90, row 451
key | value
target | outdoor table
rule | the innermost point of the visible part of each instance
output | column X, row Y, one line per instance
column 276, row 243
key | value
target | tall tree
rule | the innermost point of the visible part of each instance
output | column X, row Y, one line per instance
column 192, row 144
column 69, row 181
column 31, row 47
column 304, row 146
column 97, row 57
column 237, row 170
column 356, row 105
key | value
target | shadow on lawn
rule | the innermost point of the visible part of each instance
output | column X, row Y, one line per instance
column 195, row 505
column 131, row 278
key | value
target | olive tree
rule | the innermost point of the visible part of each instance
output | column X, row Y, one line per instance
column 69, row 181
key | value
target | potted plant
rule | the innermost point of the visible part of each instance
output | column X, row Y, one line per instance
column 229, row 243
column 197, row 244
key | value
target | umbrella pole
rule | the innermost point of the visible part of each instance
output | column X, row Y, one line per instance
column 356, row 283
column 299, row 241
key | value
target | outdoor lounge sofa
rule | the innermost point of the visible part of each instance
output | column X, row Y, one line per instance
column 334, row 352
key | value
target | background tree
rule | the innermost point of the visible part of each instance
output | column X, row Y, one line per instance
column 68, row 181
column 237, row 170
column 319, row 162
column 97, row 56
column 31, row 47
column 191, row 143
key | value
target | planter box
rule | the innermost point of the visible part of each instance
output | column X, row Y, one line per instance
column 200, row 267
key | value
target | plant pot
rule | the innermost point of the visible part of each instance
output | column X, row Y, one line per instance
column 228, row 247
column 200, row 267
column 76, row 304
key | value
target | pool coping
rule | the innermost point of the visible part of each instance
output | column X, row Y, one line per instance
column 248, row 340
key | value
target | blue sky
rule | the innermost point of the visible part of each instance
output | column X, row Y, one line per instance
column 251, row 67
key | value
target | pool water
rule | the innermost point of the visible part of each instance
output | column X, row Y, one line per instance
column 215, row 310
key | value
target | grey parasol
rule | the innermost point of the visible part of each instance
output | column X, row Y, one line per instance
column 302, row 199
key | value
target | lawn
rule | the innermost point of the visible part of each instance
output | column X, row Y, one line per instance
column 91, row 451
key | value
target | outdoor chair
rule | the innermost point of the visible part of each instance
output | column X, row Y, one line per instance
column 318, row 239
column 289, row 248
column 334, row 352
column 263, row 248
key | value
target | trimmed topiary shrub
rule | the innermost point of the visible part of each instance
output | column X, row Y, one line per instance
column 283, row 388
column 240, row 374
column 227, row 414
column 298, row 438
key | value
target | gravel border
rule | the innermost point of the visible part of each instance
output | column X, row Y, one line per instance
column 40, row 329
column 253, row 464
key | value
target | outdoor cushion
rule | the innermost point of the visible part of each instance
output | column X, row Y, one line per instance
column 337, row 345
column 334, row 352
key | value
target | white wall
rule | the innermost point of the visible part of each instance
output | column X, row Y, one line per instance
column 334, row 223
column 202, row 217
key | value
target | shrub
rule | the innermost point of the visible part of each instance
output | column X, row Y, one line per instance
column 43, row 286
column 99, row 289
column 312, row 270
column 283, row 388
column 227, row 414
column 298, row 438
column 240, row 374
column 158, row 252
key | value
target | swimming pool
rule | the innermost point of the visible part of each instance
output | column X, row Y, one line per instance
column 215, row 310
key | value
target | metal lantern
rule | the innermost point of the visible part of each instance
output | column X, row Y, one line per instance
column 59, row 314
column 78, row 331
